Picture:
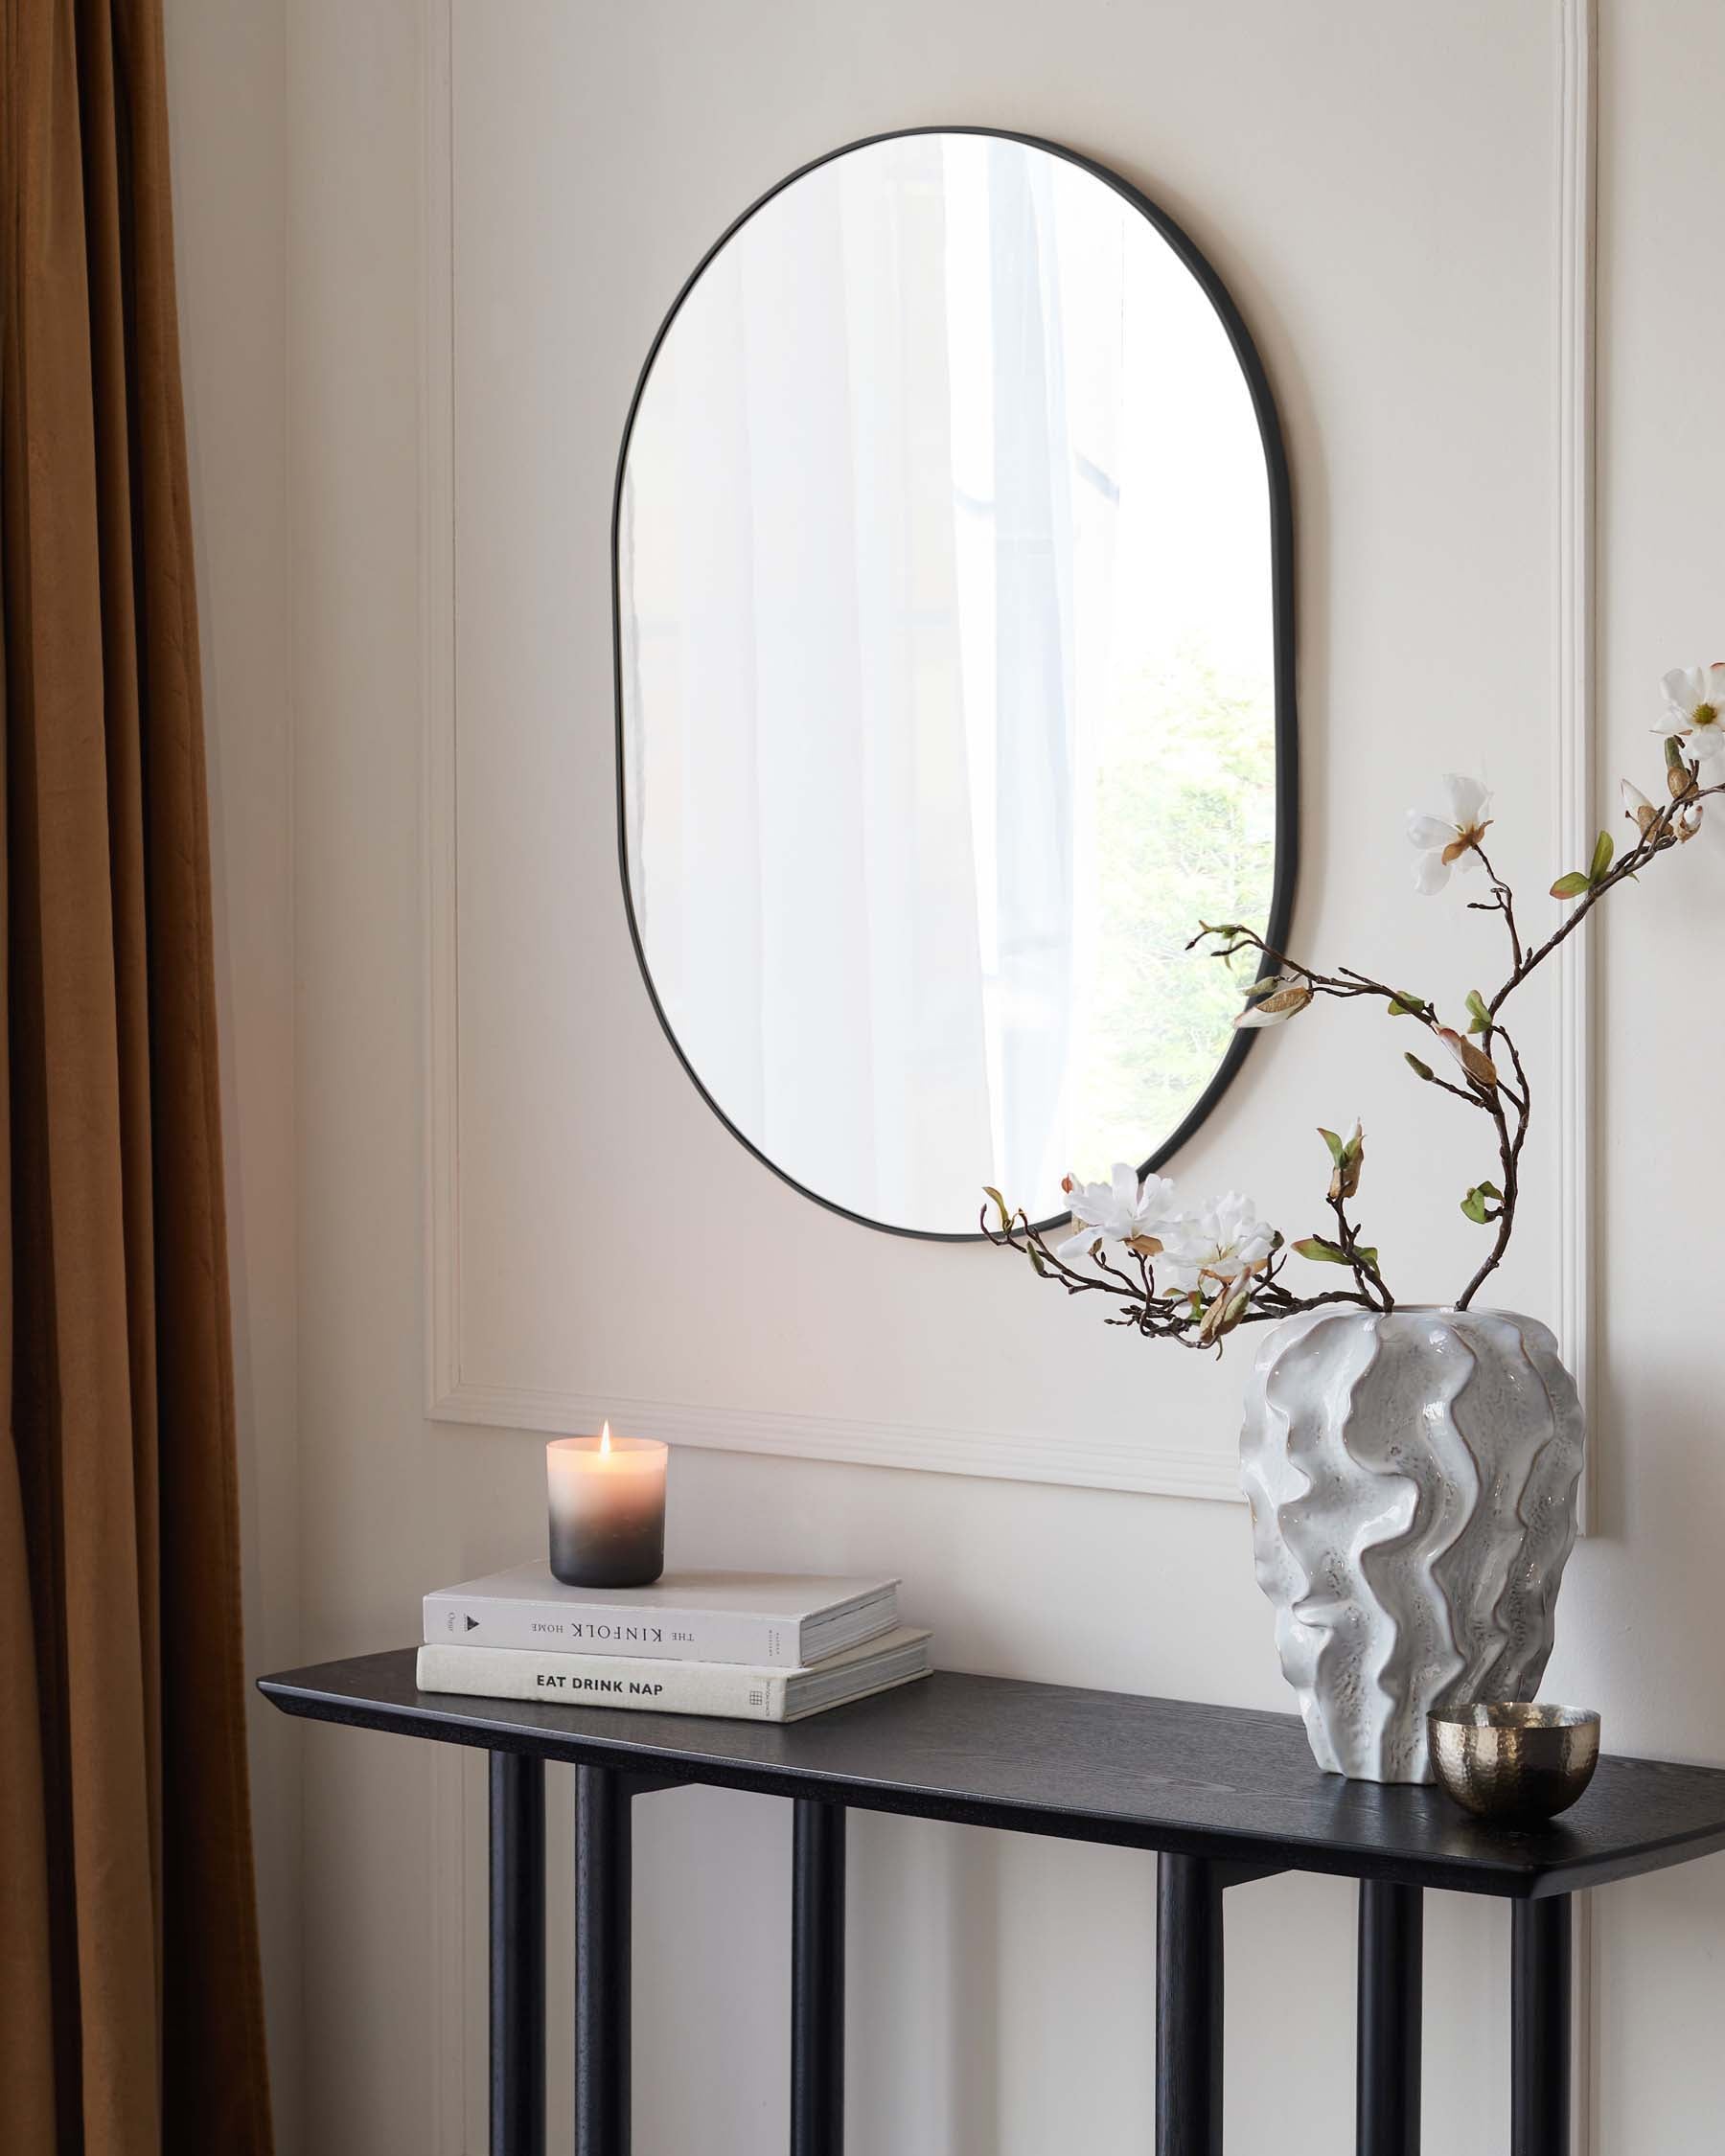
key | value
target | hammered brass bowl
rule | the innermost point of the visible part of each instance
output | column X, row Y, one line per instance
column 1514, row 1761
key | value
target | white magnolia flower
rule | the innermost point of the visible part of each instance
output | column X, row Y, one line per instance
column 1219, row 1243
column 1444, row 841
column 1122, row 1211
column 1696, row 708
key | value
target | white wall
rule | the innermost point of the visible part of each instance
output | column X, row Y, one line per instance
column 228, row 112
column 1403, row 421
column 1376, row 183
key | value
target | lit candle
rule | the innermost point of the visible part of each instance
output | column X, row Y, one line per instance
column 608, row 1509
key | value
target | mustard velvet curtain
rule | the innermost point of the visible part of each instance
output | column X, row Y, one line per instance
column 131, row 2010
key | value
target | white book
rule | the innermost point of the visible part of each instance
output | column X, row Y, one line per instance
column 730, row 1689
column 780, row 1621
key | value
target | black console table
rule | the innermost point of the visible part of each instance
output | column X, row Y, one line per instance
column 1223, row 1797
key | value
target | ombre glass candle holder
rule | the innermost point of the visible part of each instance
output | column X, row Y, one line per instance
column 608, row 1509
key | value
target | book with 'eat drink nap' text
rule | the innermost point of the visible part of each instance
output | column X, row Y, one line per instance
column 732, row 1690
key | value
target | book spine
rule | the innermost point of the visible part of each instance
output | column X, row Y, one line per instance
column 663, row 1635
column 660, row 1688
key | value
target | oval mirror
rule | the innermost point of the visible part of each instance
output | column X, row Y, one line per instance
column 954, row 680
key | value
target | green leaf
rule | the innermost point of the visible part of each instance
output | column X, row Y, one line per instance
column 1337, row 1149
column 1404, row 1005
column 1474, row 1206
column 1419, row 1069
column 1322, row 1252
column 1571, row 885
column 1489, row 1189
column 1479, row 1014
column 1605, row 846
column 1000, row 1204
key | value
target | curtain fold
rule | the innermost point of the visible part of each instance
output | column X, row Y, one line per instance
column 130, row 2007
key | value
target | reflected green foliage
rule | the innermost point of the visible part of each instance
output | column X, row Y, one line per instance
column 1186, row 832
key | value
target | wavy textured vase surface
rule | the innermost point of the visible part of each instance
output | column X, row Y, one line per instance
column 1411, row 1478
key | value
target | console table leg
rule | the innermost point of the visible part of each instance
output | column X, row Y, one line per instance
column 1390, row 1981
column 602, row 1884
column 517, row 1955
column 1188, row 2006
column 1539, row 2028
column 816, row 1979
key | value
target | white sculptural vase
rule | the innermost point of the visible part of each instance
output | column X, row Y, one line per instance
column 1411, row 1477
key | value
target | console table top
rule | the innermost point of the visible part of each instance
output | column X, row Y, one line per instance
column 1229, row 1784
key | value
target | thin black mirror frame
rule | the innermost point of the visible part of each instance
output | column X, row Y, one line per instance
column 1282, row 637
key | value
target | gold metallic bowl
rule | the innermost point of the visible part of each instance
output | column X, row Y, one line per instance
column 1514, row 1759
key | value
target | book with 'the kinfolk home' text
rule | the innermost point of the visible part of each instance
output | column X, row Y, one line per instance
column 732, row 1690
column 779, row 1620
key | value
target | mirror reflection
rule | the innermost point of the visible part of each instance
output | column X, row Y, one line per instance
column 946, row 677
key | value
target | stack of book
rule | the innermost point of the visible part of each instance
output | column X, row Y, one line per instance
column 754, row 1646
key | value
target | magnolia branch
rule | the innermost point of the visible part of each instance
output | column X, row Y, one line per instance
column 1659, row 836
column 1177, row 1314
column 1232, row 1276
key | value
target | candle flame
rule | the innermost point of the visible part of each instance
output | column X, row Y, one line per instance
column 605, row 1438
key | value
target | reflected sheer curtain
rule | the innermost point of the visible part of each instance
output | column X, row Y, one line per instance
column 131, row 2011
column 856, row 740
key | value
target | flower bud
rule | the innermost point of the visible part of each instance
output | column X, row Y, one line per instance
column 1474, row 1061
column 1637, row 806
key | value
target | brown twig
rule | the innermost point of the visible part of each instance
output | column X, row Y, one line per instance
column 1502, row 901
column 1510, row 1153
column 1660, row 836
column 1347, row 1241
